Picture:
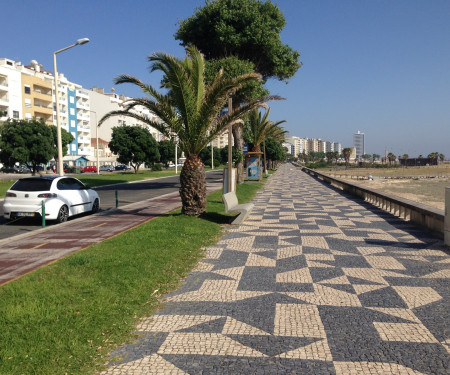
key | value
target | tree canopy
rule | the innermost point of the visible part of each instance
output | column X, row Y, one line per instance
column 66, row 139
column 275, row 151
column 30, row 142
column 247, row 29
column 167, row 151
column 233, row 67
column 134, row 145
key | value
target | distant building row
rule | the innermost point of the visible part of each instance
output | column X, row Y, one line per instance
column 297, row 146
column 28, row 91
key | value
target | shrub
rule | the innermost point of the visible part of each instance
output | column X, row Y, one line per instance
column 208, row 163
column 157, row 167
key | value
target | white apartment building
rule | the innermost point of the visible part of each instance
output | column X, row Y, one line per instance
column 74, row 108
column 102, row 103
column 313, row 145
column 337, row 147
column 10, row 90
column 358, row 143
column 222, row 140
column 300, row 144
column 289, row 147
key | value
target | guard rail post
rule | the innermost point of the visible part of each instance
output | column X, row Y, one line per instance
column 43, row 214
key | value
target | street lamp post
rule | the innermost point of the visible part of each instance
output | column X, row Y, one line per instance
column 230, row 150
column 79, row 42
column 212, row 155
column 176, row 154
column 96, row 140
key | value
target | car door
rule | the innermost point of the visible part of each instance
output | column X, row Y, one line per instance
column 75, row 194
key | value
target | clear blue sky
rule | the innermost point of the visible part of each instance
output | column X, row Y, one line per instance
column 381, row 67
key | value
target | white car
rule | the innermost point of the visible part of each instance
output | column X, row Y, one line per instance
column 63, row 197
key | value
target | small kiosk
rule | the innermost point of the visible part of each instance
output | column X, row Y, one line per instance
column 253, row 170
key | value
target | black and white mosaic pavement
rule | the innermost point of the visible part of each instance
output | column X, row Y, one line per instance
column 314, row 282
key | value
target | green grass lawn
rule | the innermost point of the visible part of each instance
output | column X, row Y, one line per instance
column 66, row 317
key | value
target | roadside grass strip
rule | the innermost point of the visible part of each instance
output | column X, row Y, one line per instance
column 94, row 180
column 66, row 317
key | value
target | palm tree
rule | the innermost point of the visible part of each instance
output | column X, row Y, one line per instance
column 391, row 158
column 347, row 153
column 258, row 128
column 190, row 109
column 405, row 158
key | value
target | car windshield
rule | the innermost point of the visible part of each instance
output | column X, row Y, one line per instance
column 31, row 184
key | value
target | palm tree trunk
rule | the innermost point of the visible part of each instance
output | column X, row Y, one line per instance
column 193, row 186
column 239, row 144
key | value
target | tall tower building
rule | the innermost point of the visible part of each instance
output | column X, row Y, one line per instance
column 358, row 144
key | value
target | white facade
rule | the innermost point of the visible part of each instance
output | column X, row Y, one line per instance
column 102, row 103
column 222, row 140
column 10, row 90
column 358, row 143
column 337, row 147
column 289, row 147
column 296, row 141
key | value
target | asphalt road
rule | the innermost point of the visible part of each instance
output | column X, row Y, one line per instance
column 127, row 193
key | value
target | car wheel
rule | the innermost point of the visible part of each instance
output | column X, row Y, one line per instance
column 63, row 214
column 95, row 206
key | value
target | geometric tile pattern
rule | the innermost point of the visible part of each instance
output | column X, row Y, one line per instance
column 313, row 282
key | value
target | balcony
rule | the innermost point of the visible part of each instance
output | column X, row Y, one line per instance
column 83, row 139
column 86, row 151
column 82, row 105
column 82, row 94
column 4, row 98
column 43, row 91
column 42, row 108
column 84, row 129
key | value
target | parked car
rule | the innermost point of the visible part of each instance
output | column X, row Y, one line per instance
column 12, row 169
column 122, row 167
column 24, row 169
column 89, row 168
column 63, row 197
column 106, row 168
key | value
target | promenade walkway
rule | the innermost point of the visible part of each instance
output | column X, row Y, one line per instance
column 314, row 282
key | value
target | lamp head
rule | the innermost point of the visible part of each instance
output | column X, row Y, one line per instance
column 82, row 41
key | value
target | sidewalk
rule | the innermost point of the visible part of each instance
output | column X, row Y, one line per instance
column 314, row 282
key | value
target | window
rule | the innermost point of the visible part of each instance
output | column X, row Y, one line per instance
column 15, row 114
column 28, row 116
column 73, row 147
column 27, row 89
column 72, row 111
column 72, row 123
column 72, row 99
column 29, row 184
column 28, row 103
column 69, row 184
